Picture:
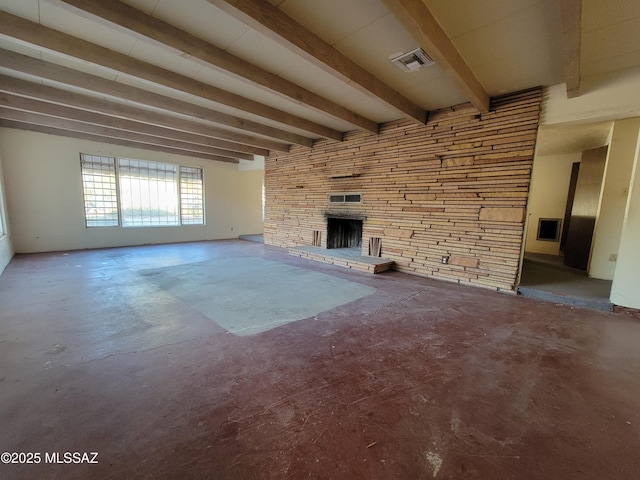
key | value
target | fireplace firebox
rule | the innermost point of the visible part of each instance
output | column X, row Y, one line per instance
column 344, row 233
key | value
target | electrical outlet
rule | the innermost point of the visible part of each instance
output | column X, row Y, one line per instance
column 445, row 259
column 613, row 257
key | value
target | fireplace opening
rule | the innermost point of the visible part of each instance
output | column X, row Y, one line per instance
column 344, row 233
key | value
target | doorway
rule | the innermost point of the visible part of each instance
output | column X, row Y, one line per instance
column 564, row 200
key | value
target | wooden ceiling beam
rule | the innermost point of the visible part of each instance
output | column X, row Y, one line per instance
column 67, row 76
column 110, row 132
column 171, row 126
column 97, row 138
column 53, row 40
column 425, row 29
column 571, row 13
column 277, row 25
column 149, row 27
column 157, row 135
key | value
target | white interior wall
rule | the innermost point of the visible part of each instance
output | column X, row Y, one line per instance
column 45, row 203
column 250, row 181
column 6, row 247
column 625, row 289
column 250, row 203
column 620, row 158
column 551, row 176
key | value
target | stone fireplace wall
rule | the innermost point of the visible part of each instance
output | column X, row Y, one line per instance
column 456, row 188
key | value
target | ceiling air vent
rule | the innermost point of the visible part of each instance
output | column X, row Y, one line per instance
column 412, row 61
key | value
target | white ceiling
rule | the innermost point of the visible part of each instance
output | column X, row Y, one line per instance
column 509, row 45
column 565, row 139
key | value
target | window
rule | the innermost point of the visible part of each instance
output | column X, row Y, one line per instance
column 100, row 196
column 191, row 198
column 1, row 220
column 148, row 193
column 2, row 232
column 139, row 193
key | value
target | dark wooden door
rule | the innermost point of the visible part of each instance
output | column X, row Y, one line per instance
column 585, row 208
column 575, row 169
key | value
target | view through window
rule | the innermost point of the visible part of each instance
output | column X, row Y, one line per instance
column 140, row 193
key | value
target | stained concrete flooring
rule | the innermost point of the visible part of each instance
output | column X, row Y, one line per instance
column 420, row 379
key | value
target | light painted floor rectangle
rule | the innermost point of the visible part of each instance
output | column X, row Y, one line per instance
column 248, row 295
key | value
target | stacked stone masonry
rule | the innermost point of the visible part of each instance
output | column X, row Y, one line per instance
column 456, row 187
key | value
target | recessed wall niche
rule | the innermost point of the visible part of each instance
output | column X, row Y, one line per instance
column 549, row 229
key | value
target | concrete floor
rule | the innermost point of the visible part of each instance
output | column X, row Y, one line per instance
column 546, row 278
column 421, row 379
